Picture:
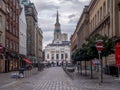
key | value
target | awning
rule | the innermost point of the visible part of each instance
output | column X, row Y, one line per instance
column 27, row 60
column 1, row 48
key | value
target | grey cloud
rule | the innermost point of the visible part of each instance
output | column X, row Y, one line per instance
column 71, row 16
column 46, row 6
column 69, row 10
column 48, row 35
column 72, row 1
column 73, row 20
column 54, row 15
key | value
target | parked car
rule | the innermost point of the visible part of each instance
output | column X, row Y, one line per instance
column 70, row 67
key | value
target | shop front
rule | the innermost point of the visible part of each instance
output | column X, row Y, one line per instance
column 2, row 63
column 12, row 62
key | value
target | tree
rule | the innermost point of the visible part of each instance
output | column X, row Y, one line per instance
column 88, row 51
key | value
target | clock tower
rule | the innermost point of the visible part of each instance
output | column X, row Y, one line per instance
column 57, row 31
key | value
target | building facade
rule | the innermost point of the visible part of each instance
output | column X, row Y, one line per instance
column 39, row 38
column 100, row 17
column 73, row 42
column 81, row 33
column 64, row 37
column 104, row 18
column 31, row 20
column 22, row 32
column 2, row 34
column 59, row 50
column 31, row 17
column 13, row 32
column 57, row 53
column 12, row 35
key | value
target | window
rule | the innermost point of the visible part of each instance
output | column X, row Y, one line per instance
column 95, row 20
column 14, row 16
column 57, row 56
column 47, row 56
column 13, row 2
column 100, row 13
column 93, row 23
column 62, row 56
column 108, row 5
column 7, row 9
column 52, row 56
column 108, row 30
column 13, row 46
column 10, row 28
column 7, row 25
column 14, row 30
column 98, row 17
column 17, row 47
column 7, row 42
column 66, row 56
column 104, row 9
column 17, row 5
column 11, row 12
column 10, row 44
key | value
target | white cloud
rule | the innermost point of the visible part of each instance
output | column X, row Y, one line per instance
column 69, row 13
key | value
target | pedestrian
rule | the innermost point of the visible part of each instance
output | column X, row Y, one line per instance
column 21, row 72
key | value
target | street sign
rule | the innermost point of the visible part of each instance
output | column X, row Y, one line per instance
column 99, row 46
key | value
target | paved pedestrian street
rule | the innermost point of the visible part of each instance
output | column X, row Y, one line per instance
column 55, row 78
column 49, row 79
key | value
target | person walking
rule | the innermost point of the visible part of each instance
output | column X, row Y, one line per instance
column 21, row 72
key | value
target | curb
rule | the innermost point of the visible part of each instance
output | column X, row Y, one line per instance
column 71, row 75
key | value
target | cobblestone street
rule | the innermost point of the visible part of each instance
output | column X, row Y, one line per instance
column 56, row 79
column 49, row 79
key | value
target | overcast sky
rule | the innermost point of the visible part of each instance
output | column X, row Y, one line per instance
column 69, row 14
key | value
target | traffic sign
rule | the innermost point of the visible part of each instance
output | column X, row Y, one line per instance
column 99, row 46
